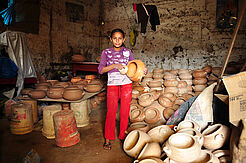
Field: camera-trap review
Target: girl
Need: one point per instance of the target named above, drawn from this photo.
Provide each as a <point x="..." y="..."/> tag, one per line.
<point x="118" y="86"/>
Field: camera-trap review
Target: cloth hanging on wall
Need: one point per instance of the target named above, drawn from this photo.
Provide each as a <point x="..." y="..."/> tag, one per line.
<point x="19" y="53"/>
<point x="145" y="13"/>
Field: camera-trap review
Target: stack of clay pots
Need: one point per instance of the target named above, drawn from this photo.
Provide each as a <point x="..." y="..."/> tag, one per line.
<point x="157" y="83"/>
<point x="199" y="81"/>
<point x="185" y="77"/>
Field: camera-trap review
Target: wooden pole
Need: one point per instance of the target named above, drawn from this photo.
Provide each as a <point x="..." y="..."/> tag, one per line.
<point x="232" y="44"/>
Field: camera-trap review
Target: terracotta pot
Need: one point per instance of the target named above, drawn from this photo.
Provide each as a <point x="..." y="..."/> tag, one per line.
<point x="90" y="77"/>
<point x="73" y="94"/>
<point x="206" y="157"/>
<point x="158" y="89"/>
<point x="151" y="149"/>
<point x="181" y="71"/>
<point x="182" y="91"/>
<point x="72" y="87"/>
<point x="55" y="92"/>
<point x="171" y="83"/>
<point x="135" y="70"/>
<point x="168" y="112"/>
<point x="124" y="70"/>
<point x="138" y="88"/>
<point x="207" y="69"/>
<point x="188" y="124"/>
<point x="92" y="88"/>
<point x="191" y="131"/>
<point x="175" y="107"/>
<point x="199" y="81"/>
<point x="157" y="75"/>
<point x="52" y="82"/>
<point x="199" y="88"/>
<point x="175" y="72"/>
<point x="181" y="146"/>
<point x="199" y="74"/>
<point x="146" y="99"/>
<point x="80" y="86"/>
<point x="169" y="76"/>
<point x="42" y="87"/>
<point x="165" y="102"/>
<point x="148" y="75"/>
<point x="158" y="71"/>
<point x="141" y="126"/>
<point x="216" y="136"/>
<point x="189" y="82"/>
<point x="145" y="81"/>
<point x="96" y="81"/>
<point x="78" y="58"/>
<point x="83" y="82"/>
<point x="182" y="84"/>
<point x="134" y="142"/>
<point x="135" y="106"/>
<point x="160" y="133"/>
<point x="137" y="115"/>
<point x="187" y="96"/>
<point x="154" y="84"/>
<point x="152" y="115"/>
<point x="135" y="94"/>
<point x="179" y="101"/>
<point x="62" y="84"/>
<point x="185" y="76"/>
<point x="37" y="94"/>
<point x="170" y="96"/>
<point x="26" y="91"/>
<point x="173" y="90"/>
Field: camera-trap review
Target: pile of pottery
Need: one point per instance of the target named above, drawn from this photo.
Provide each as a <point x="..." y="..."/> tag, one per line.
<point x="185" y="142"/>
<point x="199" y="80"/>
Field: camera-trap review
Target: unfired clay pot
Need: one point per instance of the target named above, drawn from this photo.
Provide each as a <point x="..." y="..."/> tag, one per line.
<point x="166" y="102"/>
<point x="173" y="90"/>
<point x="207" y="69"/>
<point x="142" y="126"/>
<point x="206" y="157"/>
<point x="37" y="94"/>
<point x="55" y="92"/>
<point x="92" y="88"/>
<point x="73" y="94"/>
<point x="160" y="133"/>
<point x="137" y="115"/>
<point x="185" y="76"/>
<point x="26" y="91"/>
<point x="135" y="70"/>
<point x="199" y="74"/>
<point x="216" y="136"/>
<point x="42" y="87"/>
<point x="157" y="75"/>
<point x="169" y="76"/>
<point x="188" y="124"/>
<point x="170" y="96"/>
<point x="154" y="84"/>
<point x="179" y="101"/>
<point x="171" y="83"/>
<point x="182" y="84"/>
<point x="158" y="70"/>
<point x="168" y="112"/>
<point x="183" y="71"/>
<point x="199" y="88"/>
<point x="152" y="115"/>
<point x="145" y="81"/>
<point x="182" y="146"/>
<point x="134" y="142"/>
<point x="62" y="84"/>
<point x="197" y="135"/>
<point x="151" y="149"/>
<point x="199" y="81"/>
<point x="146" y="99"/>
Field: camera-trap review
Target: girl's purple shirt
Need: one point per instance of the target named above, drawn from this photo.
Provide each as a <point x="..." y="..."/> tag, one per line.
<point x="110" y="56"/>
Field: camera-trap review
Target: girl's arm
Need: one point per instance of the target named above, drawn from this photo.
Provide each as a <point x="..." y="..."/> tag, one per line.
<point x="111" y="67"/>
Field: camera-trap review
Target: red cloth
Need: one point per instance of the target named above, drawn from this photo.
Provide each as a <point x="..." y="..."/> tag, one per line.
<point x="134" y="6"/>
<point x="114" y="93"/>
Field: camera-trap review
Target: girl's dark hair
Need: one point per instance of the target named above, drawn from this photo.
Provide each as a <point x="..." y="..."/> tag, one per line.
<point x="117" y="30"/>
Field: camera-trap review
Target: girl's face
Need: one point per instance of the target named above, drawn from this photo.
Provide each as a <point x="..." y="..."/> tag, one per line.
<point x="117" y="40"/>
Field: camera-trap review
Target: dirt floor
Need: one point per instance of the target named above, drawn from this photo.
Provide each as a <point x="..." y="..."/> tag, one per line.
<point x="89" y="150"/>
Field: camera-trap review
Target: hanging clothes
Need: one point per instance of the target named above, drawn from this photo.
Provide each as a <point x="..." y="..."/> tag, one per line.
<point x="145" y="13"/>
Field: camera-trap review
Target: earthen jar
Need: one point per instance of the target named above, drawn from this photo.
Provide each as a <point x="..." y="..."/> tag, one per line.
<point x="152" y="115"/>
<point x="182" y="91"/>
<point x="170" y="96"/>
<point x="165" y="102"/>
<point x="181" y="146"/>
<point x="173" y="90"/>
<point x="83" y="82"/>
<point x="135" y="106"/>
<point x="145" y="99"/>
<point x="62" y="84"/>
<point x="182" y="84"/>
<point x="187" y="96"/>
<point x="80" y="86"/>
<point x="206" y="157"/>
<point x="175" y="72"/>
<point x="160" y="133"/>
<point x="96" y="81"/>
<point x="37" y="94"/>
<point x="158" y="71"/>
<point x="135" y="94"/>
<point x="179" y="100"/>
<point x="199" y="88"/>
<point x="43" y="83"/>
<point x="199" y="74"/>
<point x="148" y="75"/>
<point x="42" y="87"/>
<point x="55" y="92"/>
<point x="158" y="89"/>
<point x="189" y="82"/>
<point x="207" y="69"/>
<point x="154" y="84"/>
<point x="137" y="115"/>
<point x="216" y="136"/>
<point x="175" y="107"/>
<point x="141" y="126"/>
<point x="75" y="79"/>
<point x="92" y="88"/>
<point x="199" y="81"/>
<point x="145" y="81"/>
<point x="26" y="91"/>
<point x="161" y="80"/>
<point x="52" y="82"/>
<point x="171" y="83"/>
<point x="197" y="134"/>
<point x="157" y="76"/>
<point x="134" y="142"/>
<point x="188" y="124"/>
<point x="151" y="149"/>
<point x="185" y="76"/>
<point x="135" y="70"/>
<point x="167" y="113"/>
<point x="183" y="71"/>
<point x="169" y="76"/>
<point x="73" y="94"/>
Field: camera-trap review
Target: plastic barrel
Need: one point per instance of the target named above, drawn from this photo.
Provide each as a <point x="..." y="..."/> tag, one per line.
<point x="34" y="109"/>
<point x="65" y="128"/>
<point x="81" y="113"/>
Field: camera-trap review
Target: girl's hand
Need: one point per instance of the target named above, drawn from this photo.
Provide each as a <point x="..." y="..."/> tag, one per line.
<point x="145" y="71"/>
<point x="118" y="66"/>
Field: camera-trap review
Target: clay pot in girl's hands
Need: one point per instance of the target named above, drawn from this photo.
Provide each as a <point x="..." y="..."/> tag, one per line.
<point x="152" y="115"/>
<point x="55" y="92"/>
<point x="160" y="133"/>
<point x="37" y="94"/>
<point x="187" y="124"/>
<point x="135" y="70"/>
<point x="151" y="149"/>
<point x="216" y="136"/>
<point x="73" y="94"/>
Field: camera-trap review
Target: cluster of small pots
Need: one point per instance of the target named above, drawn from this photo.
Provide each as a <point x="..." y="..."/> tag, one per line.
<point x="182" y="143"/>
<point x="71" y="91"/>
<point x="97" y="100"/>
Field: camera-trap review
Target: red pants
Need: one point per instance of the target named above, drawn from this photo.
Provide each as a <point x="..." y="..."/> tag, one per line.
<point x="114" y="93"/>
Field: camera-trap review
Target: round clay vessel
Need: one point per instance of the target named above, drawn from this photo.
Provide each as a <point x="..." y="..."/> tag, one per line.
<point x="37" y="94"/>
<point x="62" y="84"/>
<point x="182" y="146"/>
<point x="42" y="87"/>
<point x="158" y="71"/>
<point x="169" y="76"/>
<point x="170" y="96"/>
<point x="199" y="81"/>
<point x="73" y="94"/>
<point x="148" y="75"/>
<point x="216" y="136"/>
<point x="142" y="126"/>
<point x="168" y="112"/>
<point x="135" y="106"/>
<point x="199" y="74"/>
<point x="152" y="115"/>
<point x="160" y="133"/>
<point x="157" y="76"/>
<point x="165" y="102"/>
<point x="96" y="81"/>
<point x="154" y="84"/>
<point x="189" y="82"/>
<point x="206" y="157"/>
<point x="185" y="76"/>
<point x="151" y="149"/>
<point x="175" y="72"/>
<point x="26" y="91"/>
<point x="171" y="83"/>
<point x="138" y="88"/>
<point x="83" y="82"/>
<point x="137" y="115"/>
<point x="199" y="88"/>
<point x="207" y="69"/>
<point x="93" y="88"/>
<point x="179" y="101"/>
<point x="72" y="87"/>
<point x="55" y="92"/>
<point x="75" y="79"/>
<point x="188" y="124"/>
<point x="181" y="71"/>
<point x="182" y="91"/>
<point x="134" y="142"/>
<point x="135" y="70"/>
<point x="156" y="94"/>
<point x="173" y="90"/>
<point x="191" y="131"/>
<point x="182" y="84"/>
<point x="43" y="83"/>
<point x="145" y="99"/>
<point x="145" y="81"/>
